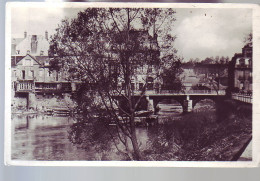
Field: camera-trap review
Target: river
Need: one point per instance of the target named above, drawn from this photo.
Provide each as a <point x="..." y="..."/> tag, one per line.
<point x="43" y="137"/>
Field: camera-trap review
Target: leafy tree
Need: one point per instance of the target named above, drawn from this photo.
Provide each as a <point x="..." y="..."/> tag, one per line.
<point x="105" y="49"/>
<point x="248" y="40"/>
<point x="208" y="60"/>
<point x="171" y="80"/>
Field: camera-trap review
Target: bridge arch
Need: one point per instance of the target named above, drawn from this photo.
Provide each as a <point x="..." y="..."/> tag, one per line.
<point x="215" y="99"/>
<point x="210" y="102"/>
<point x="156" y="101"/>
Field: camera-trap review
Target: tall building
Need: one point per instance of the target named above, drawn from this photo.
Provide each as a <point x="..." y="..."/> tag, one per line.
<point x="240" y="71"/>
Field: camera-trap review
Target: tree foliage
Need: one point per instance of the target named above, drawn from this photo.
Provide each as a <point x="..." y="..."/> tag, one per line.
<point x="248" y="40"/>
<point x="105" y="49"/>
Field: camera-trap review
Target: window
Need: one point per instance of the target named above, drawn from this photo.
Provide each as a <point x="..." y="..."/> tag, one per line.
<point x="149" y="70"/>
<point x="150" y="86"/>
<point x="242" y="62"/>
<point x="57" y="76"/>
<point x="141" y="85"/>
<point x="41" y="53"/>
<point x="23" y="74"/>
<point x="14" y="73"/>
<point x="32" y="73"/>
<point x="250" y="62"/>
<point x="132" y="86"/>
<point x="150" y="79"/>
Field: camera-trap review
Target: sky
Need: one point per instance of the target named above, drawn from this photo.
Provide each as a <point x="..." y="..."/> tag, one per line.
<point x="200" y="33"/>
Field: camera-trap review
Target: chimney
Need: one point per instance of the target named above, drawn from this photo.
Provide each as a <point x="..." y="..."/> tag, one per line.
<point x="46" y="35"/>
<point x="25" y="34"/>
<point x="34" y="43"/>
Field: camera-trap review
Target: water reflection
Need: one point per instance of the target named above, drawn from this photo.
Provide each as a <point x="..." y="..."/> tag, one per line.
<point x="42" y="137"/>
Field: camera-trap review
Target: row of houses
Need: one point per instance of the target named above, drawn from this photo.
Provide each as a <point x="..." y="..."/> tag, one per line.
<point x="31" y="71"/>
<point x="236" y="76"/>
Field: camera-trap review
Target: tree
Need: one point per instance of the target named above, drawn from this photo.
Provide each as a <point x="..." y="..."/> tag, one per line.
<point x="208" y="60"/>
<point x="248" y="40"/>
<point x="171" y="77"/>
<point x="105" y="49"/>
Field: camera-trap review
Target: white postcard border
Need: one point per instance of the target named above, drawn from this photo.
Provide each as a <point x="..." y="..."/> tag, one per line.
<point x="256" y="89"/>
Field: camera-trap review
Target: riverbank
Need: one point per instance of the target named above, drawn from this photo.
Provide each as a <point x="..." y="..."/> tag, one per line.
<point x="196" y="136"/>
<point x="200" y="136"/>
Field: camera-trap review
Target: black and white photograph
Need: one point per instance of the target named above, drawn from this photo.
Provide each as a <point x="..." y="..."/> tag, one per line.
<point x="129" y="82"/>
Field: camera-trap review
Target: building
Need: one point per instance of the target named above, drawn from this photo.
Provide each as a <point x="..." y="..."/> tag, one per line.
<point x="143" y="74"/>
<point x="205" y="76"/>
<point x="240" y="71"/>
<point x="35" y="45"/>
<point x="31" y="73"/>
<point x="32" y="77"/>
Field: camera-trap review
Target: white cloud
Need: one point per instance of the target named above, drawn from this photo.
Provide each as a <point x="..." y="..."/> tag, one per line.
<point x="38" y="20"/>
<point x="204" y="33"/>
<point x="200" y="32"/>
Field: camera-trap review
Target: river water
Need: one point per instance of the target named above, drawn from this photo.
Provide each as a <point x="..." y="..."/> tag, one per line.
<point x="43" y="137"/>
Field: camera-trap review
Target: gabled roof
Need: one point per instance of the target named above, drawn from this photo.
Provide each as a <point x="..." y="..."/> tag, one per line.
<point x="42" y="59"/>
<point x="15" y="60"/>
<point x="39" y="59"/>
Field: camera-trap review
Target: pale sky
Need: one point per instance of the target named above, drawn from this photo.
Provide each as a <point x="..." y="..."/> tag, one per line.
<point x="200" y="33"/>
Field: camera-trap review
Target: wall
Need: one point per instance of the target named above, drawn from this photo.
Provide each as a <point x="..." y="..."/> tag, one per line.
<point x="42" y="102"/>
<point x="19" y="103"/>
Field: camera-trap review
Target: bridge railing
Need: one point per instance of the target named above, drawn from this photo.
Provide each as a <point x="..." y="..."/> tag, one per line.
<point x="189" y="92"/>
<point x="212" y="92"/>
<point x="242" y="97"/>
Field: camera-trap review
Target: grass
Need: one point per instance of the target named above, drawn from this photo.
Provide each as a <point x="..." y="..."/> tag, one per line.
<point x="202" y="136"/>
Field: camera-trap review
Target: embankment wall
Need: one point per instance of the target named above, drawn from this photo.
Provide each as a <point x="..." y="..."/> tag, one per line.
<point x="42" y="102"/>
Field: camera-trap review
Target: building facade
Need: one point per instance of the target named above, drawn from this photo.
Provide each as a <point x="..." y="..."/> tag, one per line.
<point x="240" y="71"/>
<point x="32" y="77"/>
<point x="33" y="74"/>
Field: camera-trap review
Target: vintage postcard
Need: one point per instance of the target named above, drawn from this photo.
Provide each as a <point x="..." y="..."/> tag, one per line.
<point x="132" y="84"/>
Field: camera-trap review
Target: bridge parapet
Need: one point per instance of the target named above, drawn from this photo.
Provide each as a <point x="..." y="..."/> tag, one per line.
<point x="190" y="92"/>
<point x="242" y="97"/>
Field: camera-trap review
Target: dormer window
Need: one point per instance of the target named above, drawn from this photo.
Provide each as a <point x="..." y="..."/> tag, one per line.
<point x="28" y="51"/>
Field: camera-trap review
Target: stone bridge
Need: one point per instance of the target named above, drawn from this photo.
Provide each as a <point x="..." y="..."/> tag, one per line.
<point x="187" y="99"/>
